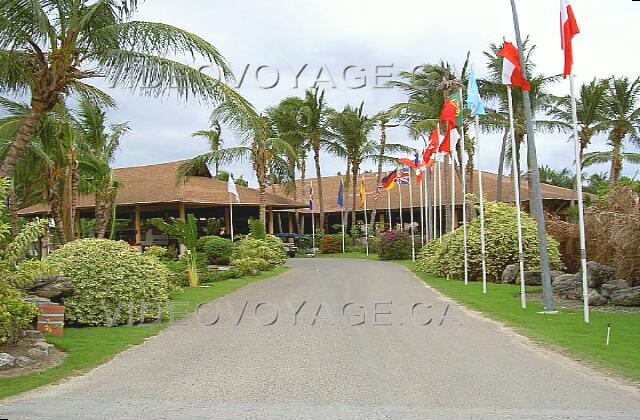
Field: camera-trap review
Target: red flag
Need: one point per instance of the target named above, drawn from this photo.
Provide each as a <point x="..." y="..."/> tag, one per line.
<point x="408" y="162"/>
<point x="449" y="113"/>
<point x="568" y="29"/>
<point x="445" y="146"/>
<point x="511" y="68"/>
<point x="418" y="175"/>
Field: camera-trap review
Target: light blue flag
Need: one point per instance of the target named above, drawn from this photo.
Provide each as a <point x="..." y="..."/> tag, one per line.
<point x="474" y="101"/>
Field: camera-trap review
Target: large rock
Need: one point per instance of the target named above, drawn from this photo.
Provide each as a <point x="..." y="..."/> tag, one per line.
<point x="32" y="335"/>
<point x="568" y="286"/>
<point x="607" y="289"/>
<point x="532" y="278"/>
<point x="510" y="274"/>
<point x="596" y="299"/>
<point x="7" y="361"/>
<point x="626" y="297"/>
<point x="51" y="287"/>
<point x="555" y="274"/>
<point x="598" y="274"/>
<point x="22" y="361"/>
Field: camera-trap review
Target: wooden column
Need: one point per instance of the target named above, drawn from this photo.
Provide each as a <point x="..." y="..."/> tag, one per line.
<point x="137" y="223"/>
<point x="270" y="210"/>
<point x="227" y="220"/>
<point x="291" y="226"/>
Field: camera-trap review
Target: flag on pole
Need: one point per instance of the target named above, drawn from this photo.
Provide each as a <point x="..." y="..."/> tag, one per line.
<point x="474" y="101"/>
<point x="340" y="200"/>
<point x="387" y="182"/>
<point x="403" y="177"/>
<point x="450" y="140"/>
<point x="376" y="194"/>
<point x="311" y="197"/>
<point x="512" y="73"/>
<point x="231" y="188"/>
<point x="568" y="29"/>
<point x="449" y="113"/>
<point x="407" y="162"/>
<point x="456" y="101"/>
<point x="362" y="193"/>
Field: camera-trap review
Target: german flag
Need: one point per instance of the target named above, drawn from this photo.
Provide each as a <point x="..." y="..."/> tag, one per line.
<point x="387" y="182"/>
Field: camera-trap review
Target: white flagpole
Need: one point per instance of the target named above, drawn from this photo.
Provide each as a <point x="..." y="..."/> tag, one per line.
<point x="411" y="229"/>
<point x="427" y="206"/>
<point x="366" y="223"/>
<point x="422" y="223"/>
<point x="464" y="199"/>
<point x="440" y="194"/>
<point x="583" y="242"/>
<point x="313" y="224"/>
<point x="343" y="232"/>
<point x="231" y="214"/>
<point x="516" y="190"/>
<point x="453" y="192"/>
<point x="434" y="171"/>
<point x="389" y="209"/>
<point x="400" y="195"/>
<point x="482" y="232"/>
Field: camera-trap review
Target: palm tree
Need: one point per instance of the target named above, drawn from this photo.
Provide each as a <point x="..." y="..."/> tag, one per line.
<point x="214" y="136"/>
<point x="593" y="158"/>
<point x="287" y="121"/>
<point x="623" y="122"/>
<point x="314" y="111"/>
<point x="50" y="48"/>
<point x="267" y="154"/>
<point x="96" y="153"/>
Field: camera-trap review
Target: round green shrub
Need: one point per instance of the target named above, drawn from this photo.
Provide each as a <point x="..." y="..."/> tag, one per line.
<point x="331" y="244"/>
<point x="394" y="245"/>
<point x="250" y="266"/>
<point x="107" y="275"/>
<point x="269" y="249"/>
<point x="156" y="251"/>
<point x="217" y="250"/>
<point x="501" y="238"/>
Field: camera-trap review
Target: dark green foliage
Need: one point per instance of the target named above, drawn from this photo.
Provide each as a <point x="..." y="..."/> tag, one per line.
<point x="395" y="245"/>
<point x="256" y="227"/>
<point x="216" y="250"/>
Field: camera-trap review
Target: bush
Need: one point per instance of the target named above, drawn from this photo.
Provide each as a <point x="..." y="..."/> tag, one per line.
<point x="395" y="245"/>
<point x="331" y="244"/>
<point x="217" y="250"/>
<point x="251" y="254"/>
<point x="215" y="276"/>
<point x="157" y="252"/>
<point x="15" y="313"/>
<point x="251" y="266"/>
<point x="447" y="258"/>
<point x="107" y="275"/>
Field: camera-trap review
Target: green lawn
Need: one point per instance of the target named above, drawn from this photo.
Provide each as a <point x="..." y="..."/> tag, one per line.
<point x="90" y="347"/>
<point x="566" y="329"/>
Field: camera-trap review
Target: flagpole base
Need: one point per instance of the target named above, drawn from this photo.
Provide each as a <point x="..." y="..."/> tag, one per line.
<point x="548" y="312"/>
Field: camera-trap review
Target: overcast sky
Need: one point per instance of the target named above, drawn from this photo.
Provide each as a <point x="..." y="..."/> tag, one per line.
<point x="331" y="34"/>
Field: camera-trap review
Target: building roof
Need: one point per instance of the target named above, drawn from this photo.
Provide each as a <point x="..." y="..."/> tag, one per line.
<point x="156" y="184"/>
<point x="331" y="185"/>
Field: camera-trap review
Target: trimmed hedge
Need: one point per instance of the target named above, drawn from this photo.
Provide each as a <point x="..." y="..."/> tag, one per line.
<point x="394" y="245"/>
<point x="217" y="250"/>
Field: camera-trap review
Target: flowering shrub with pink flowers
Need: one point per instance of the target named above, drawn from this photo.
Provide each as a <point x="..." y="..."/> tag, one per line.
<point x="395" y="245"/>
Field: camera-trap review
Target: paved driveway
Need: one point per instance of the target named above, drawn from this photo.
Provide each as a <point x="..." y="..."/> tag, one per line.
<point x="348" y="342"/>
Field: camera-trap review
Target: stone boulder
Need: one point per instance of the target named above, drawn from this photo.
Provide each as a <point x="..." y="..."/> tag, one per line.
<point x="568" y="286"/>
<point x="596" y="299"/>
<point x="532" y="278"/>
<point x="23" y="361"/>
<point x="555" y="274"/>
<point x="510" y="274"/>
<point x="607" y="289"/>
<point x="626" y="297"/>
<point x="598" y="274"/>
<point x="51" y="287"/>
<point x="7" y="361"/>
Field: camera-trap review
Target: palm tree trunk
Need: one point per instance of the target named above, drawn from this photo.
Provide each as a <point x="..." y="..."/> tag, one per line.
<point x="303" y="191"/>
<point x="263" y="202"/>
<point x="354" y="186"/>
<point x="23" y="138"/>
<point x="616" y="163"/>
<point x="383" y="143"/>
<point x="503" y="151"/>
<point x="316" y="157"/>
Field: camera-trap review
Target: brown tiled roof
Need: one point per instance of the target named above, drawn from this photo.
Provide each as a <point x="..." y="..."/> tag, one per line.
<point x="156" y="184"/>
<point x="331" y="185"/>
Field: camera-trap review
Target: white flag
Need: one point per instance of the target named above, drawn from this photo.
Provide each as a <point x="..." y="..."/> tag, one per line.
<point x="231" y="188"/>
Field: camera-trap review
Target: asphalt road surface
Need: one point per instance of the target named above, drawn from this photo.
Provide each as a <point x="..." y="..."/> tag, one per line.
<point x="351" y="339"/>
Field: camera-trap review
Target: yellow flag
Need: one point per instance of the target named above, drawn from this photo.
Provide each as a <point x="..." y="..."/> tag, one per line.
<point x="362" y="193"/>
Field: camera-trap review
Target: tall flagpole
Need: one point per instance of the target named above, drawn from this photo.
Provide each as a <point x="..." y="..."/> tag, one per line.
<point x="422" y="223"/>
<point x="231" y="215"/>
<point x="427" y="205"/>
<point x="440" y="157"/>
<point x="366" y="223"/>
<point x="400" y="196"/>
<point x="313" y="223"/>
<point x="434" y="167"/>
<point x="411" y="229"/>
<point x="516" y="192"/>
<point x="482" y="232"/>
<point x="343" y="230"/>
<point x="536" y="195"/>
<point x="583" y="244"/>
<point x="389" y="209"/>
<point x="464" y="199"/>
<point x="453" y="192"/>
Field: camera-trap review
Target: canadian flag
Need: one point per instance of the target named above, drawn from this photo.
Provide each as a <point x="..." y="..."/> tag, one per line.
<point x="511" y="68"/>
<point x="568" y="29"/>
